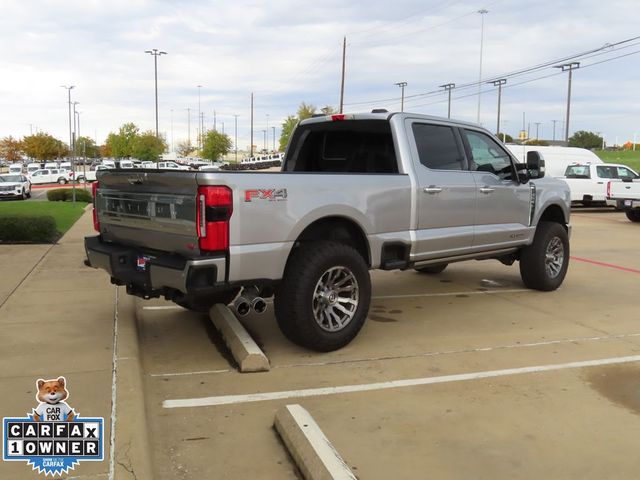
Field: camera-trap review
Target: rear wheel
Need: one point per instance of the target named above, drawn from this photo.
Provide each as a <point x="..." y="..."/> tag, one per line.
<point x="204" y="304"/>
<point x="62" y="181"/>
<point x="432" y="270"/>
<point x="324" y="297"/>
<point x="544" y="263"/>
<point x="633" y="215"/>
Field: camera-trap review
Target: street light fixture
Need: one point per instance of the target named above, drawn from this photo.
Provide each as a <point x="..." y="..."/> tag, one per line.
<point x="570" y="67"/>
<point x="401" y="85"/>
<point x="156" y="53"/>
<point x="482" y="13"/>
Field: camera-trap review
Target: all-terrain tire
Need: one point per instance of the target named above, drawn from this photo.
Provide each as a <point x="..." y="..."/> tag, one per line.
<point x="204" y="304"/>
<point x="316" y="317"/>
<point x="633" y="215"/>
<point x="544" y="263"/>
<point x="432" y="270"/>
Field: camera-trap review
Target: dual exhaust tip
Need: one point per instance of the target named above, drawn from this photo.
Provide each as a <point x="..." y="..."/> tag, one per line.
<point x="249" y="300"/>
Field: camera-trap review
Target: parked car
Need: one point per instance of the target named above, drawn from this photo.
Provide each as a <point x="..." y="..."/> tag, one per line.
<point x="49" y="175"/>
<point x="32" y="167"/>
<point x="15" y="186"/>
<point x="172" y="166"/>
<point x="357" y="192"/>
<point x="148" y="165"/>
<point x="556" y="159"/>
<point x="51" y="165"/>
<point x="588" y="182"/>
<point x="90" y="175"/>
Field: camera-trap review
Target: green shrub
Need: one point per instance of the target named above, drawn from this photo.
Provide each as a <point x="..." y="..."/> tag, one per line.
<point x="33" y="229"/>
<point x="66" y="195"/>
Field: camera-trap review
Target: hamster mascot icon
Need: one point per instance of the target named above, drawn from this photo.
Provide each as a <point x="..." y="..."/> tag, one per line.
<point x="52" y="407"/>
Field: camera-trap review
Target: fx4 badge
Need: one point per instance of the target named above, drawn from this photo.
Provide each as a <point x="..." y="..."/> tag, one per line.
<point x="271" y="195"/>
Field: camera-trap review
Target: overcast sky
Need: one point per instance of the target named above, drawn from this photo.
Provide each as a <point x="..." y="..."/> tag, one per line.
<point x="290" y="51"/>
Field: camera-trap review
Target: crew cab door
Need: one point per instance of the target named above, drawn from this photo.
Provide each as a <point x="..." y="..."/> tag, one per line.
<point x="504" y="204"/>
<point x="445" y="191"/>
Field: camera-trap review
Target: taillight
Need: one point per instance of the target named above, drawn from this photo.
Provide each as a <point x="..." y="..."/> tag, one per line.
<point x="214" y="209"/>
<point x="94" y="192"/>
<point x="609" y="189"/>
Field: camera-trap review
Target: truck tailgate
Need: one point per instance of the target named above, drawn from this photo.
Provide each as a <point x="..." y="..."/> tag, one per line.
<point x="152" y="210"/>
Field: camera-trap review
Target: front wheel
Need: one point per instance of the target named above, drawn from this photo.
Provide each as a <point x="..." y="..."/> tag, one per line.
<point x="323" y="299"/>
<point x="62" y="181"/>
<point x="633" y="215"/>
<point x="544" y="263"/>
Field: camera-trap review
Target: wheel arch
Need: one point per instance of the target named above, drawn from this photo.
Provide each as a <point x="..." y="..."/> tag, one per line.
<point x="553" y="213"/>
<point x="339" y="229"/>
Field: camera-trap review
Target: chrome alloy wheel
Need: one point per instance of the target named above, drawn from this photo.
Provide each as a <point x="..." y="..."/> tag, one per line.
<point x="335" y="299"/>
<point x="554" y="257"/>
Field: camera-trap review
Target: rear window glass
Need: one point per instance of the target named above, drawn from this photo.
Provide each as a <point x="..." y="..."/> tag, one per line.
<point x="437" y="147"/>
<point x="350" y="146"/>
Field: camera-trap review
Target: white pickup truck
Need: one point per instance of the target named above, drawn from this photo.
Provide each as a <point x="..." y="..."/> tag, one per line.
<point x="626" y="195"/>
<point x="588" y="182"/>
<point x="356" y="192"/>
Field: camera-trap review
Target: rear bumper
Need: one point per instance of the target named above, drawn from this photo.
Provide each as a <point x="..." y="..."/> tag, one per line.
<point x="164" y="274"/>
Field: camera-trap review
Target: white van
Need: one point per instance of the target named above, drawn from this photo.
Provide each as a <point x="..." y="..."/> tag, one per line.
<point x="556" y="159"/>
<point x="51" y="165"/>
<point x="15" y="168"/>
<point x="32" y="167"/>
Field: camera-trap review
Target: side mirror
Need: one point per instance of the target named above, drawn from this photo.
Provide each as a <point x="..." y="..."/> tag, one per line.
<point x="535" y="165"/>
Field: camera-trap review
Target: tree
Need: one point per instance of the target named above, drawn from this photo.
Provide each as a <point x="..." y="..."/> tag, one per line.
<point x="105" y="151"/>
<point x="287" y="129"/>
<point x="121" y="143"/>
<point x="541" y="143"/>
<point x="43" y="146"/>
<point x="507" y="138"/>
<point x="147" y="146"/>
<point x="86" y="147"/>
<point x="11" y="149"/>
<point x="184" y="148"/>
<point x="584" y="139"/>
<point x="215" y="144"/>
<point x="306" y="111"/>
<point x="328" y="110"/>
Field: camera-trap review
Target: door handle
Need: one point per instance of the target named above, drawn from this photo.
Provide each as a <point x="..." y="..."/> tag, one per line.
<point x="432" y="189"/>
<point x="600" y="183"/>
<point x="486" y="189"/>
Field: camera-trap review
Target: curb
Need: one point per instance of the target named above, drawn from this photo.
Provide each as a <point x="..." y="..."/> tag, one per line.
<point x="246" y="352"/>
<point x="132" y="450"/>
<point x="310" y="448"/>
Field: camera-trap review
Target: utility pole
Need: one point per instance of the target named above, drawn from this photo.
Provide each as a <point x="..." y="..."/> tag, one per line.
<point x="499" y="83"/>
<point x="156" y="54"/>
<point x="344" y="54"/>
<point x="214" y="121"/>
<point x="235" y="143"/>
<point x="448" y="87"/>
<point x="570" y="67"/>
<point x="537" y="124"/>
<point x="482" y="13"/>
<point x="189" y="126"/>
<point x="401" y="85"/>
<point x="251" y="145"/>
<point x="554" y="129"/>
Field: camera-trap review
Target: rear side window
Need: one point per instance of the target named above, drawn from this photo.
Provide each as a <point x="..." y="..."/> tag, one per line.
<point x="607" y="172"/>
<point x="437" y="147"/>
<point x="577" y="171"/>
<point x="349" y="146"/>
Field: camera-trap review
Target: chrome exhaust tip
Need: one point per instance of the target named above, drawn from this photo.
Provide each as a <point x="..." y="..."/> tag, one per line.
<point x="242" y="306"/>
<point x="259" y="305"/>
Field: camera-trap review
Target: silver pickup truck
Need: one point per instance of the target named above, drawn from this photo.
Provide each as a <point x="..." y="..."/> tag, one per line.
<point x="356" y="192"/>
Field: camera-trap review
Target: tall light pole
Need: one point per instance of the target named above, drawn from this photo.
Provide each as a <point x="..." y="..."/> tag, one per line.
<point x="554" y="129"/>
<point x="71" y="139"/>
<point x="75" y="131"/>
<point x="251" y="145"/>
<point x="156" y="53"/>
<point x="401" y="85"/>
<point x="172" y="148"/>
<point x="448" y="87"/>
<point x="482" y="13"/>
<point x="199" y="116"/>
<point x="264" y="133"/>
<point x="344" y="55"/>
<point x="189" y="126"/>
<point x="274" y="138"/>
<point x="570" y="67"/>
<point x="499" y="83"/>
<point x="266" y="147"/>
<point x="235" y="143"/>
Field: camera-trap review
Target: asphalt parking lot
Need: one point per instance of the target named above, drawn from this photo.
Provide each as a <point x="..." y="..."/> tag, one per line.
<point x="498" y="393"/>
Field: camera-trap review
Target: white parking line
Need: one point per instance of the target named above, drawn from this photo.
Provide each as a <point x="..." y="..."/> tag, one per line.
<point x="451" y="294"/>
<point x="180" y="374"/>
<point x="163" y="307"/>
<point x="367" y="387"/>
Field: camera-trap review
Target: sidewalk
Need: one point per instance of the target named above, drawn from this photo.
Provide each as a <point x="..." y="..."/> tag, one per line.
<point x="58" y="321"/>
